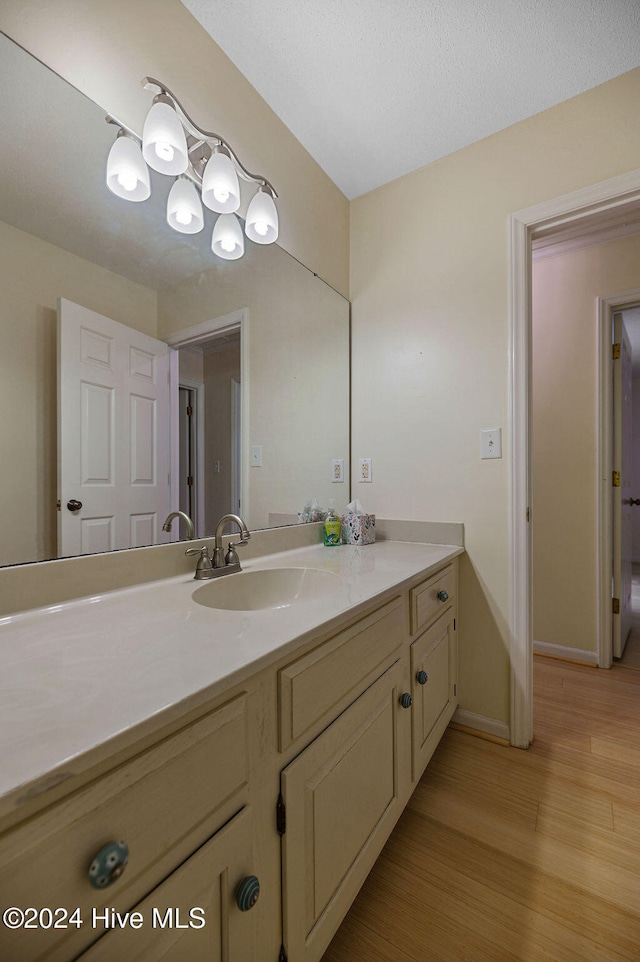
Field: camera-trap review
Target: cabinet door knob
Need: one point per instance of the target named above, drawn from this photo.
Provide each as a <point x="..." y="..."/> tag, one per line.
<point x="443" y="595"/>
<point x="422" y="678"/>
<point x="247" y="893"/>
<point x="406" y="700"/>
<point x="109" y="864"/>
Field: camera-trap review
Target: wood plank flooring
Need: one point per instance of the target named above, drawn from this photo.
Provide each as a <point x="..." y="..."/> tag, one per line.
<point x="505" y="855"/>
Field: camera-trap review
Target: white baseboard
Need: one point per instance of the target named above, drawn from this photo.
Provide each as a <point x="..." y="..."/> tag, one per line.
<point x="480" y="723"/>
<point x="569" y="654"/>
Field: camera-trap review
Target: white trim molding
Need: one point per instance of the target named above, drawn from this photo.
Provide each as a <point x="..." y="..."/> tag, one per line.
<point x="480" y="723"/>
<point x="566" y="654"/>
<point x="577" y="206"/>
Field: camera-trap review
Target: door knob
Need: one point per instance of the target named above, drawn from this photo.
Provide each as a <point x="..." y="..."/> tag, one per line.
<point x="74" y="505"/>
<point x="634" y="500"/>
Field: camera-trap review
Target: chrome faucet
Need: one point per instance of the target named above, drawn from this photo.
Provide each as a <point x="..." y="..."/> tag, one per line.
<point x="220" y="564"/>
<point x="191" y="532"/>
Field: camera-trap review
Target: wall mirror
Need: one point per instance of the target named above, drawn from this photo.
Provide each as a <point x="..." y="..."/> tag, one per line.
<point x="263" y="359"/>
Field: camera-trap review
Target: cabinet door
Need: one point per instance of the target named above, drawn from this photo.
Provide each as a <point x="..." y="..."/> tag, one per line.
<point x="193" y="915"/>
<point x="433" y="668"/>
<point x="342" y="796"/>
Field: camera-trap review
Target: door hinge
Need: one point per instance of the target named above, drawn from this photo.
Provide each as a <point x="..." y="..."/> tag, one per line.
<point x="528" y="514"/>
<point x="281" y="815"/>
<point x="455" y="689"/>
<point x="190" y="481"/>
<point x="615" y="606"/>
<point x="615" y="352"/>
<point x="283" y="955"/>
<point x="189" y="411"/>
<point x="615" y="479"/>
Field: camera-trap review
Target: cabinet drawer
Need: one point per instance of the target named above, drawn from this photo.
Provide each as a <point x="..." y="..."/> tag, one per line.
<point x="320" y="684"/>
<point x="162" y="804"/>
<point x="194" y="913"/>
<point x="428" y="600"/>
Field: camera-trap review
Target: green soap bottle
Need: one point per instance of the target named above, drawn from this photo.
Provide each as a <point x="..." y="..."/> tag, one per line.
<point x="332" y="527"/>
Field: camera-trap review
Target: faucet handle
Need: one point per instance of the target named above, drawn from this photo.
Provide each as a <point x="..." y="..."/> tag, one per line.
<point x="204" y="561"/>
<point x="231" y="557"/>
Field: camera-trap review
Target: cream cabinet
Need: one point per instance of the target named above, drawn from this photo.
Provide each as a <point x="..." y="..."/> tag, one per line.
<point x="285" y="788"/>
<point x="201" y="913"/>
<point x="342" y="796"/>
<point x="380" y="693"/>
<point x="163" y="804"/>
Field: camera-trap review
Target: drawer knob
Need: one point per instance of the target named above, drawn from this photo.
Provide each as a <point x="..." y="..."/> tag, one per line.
<point x="247" y="893"/>
<point x="109" y="864"/>
<point x="443" y="595"/>
<point x="406" y="700"/>
<point x="422" y="678"/>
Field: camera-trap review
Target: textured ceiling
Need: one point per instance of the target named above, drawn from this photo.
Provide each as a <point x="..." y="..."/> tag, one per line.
<point x="377" y="88"/>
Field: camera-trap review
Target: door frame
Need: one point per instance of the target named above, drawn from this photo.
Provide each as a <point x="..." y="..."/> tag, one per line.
<point x="574" y="208"/>
<point x="606" y="306"/>
<point x="218" y="326"/>
<point x="198" y="389"/>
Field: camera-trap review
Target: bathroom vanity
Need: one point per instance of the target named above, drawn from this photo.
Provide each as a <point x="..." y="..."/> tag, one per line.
<point x="253" y="762"/>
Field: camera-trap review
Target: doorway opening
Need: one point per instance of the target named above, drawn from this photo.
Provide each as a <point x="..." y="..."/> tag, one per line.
<point x="579" y="212"/>
<point x="210" y="403"/>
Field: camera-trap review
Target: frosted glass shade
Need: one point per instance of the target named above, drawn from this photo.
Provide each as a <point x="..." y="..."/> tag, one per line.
<point x="184" y="210"/>
<point x="227" y="241"/>
<point x="261" y="225"/>
<point x="127" y="173"/>
<point x="164" y="144"/>
<point x="220" y="187"/>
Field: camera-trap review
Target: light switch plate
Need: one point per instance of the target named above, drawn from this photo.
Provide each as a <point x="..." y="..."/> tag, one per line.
<point x="256" y="456"/>
<point x="491" y="443"/>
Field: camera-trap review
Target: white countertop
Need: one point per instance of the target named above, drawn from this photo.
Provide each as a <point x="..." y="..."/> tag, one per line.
<point x="85" y="679"/>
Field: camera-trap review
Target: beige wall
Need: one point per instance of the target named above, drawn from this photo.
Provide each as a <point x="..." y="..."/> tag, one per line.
<point x="33" y="275"/>
<point x="105" y="47"/>
<point x="429" y="290"/>
<point x="565" y="420"/>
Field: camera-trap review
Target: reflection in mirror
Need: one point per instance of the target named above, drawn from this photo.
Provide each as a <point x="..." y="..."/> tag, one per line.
<point x="259" y="348"/>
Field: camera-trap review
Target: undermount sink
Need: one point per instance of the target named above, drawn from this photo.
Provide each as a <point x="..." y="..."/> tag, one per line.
<point x="267" y="588"/>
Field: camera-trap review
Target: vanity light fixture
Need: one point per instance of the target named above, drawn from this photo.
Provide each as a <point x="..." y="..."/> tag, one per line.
<point x="203" y="163"/>
<point x="127" y="173"/>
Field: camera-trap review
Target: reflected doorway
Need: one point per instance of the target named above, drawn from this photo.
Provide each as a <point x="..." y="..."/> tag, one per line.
<point x="209" y="419"/>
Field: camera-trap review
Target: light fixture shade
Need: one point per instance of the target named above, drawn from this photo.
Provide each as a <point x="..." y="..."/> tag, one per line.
<point x="220" y="187"/>
<point x="127" y="173"/>
<point x="261" y="224"/>
<point x="164" y="144"/>
<point x="227" y="241"/>
<point x="184" y="210"/>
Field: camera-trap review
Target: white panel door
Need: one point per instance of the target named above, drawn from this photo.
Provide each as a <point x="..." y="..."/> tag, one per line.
<point x="622" y="463"/>
<point x="113" y="434"/>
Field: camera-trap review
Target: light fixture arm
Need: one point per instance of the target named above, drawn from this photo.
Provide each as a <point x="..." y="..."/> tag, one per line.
<point x="203" y="137"/>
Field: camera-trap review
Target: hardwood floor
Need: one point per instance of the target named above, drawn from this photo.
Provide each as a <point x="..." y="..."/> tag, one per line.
<point x="505" y="855"/>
